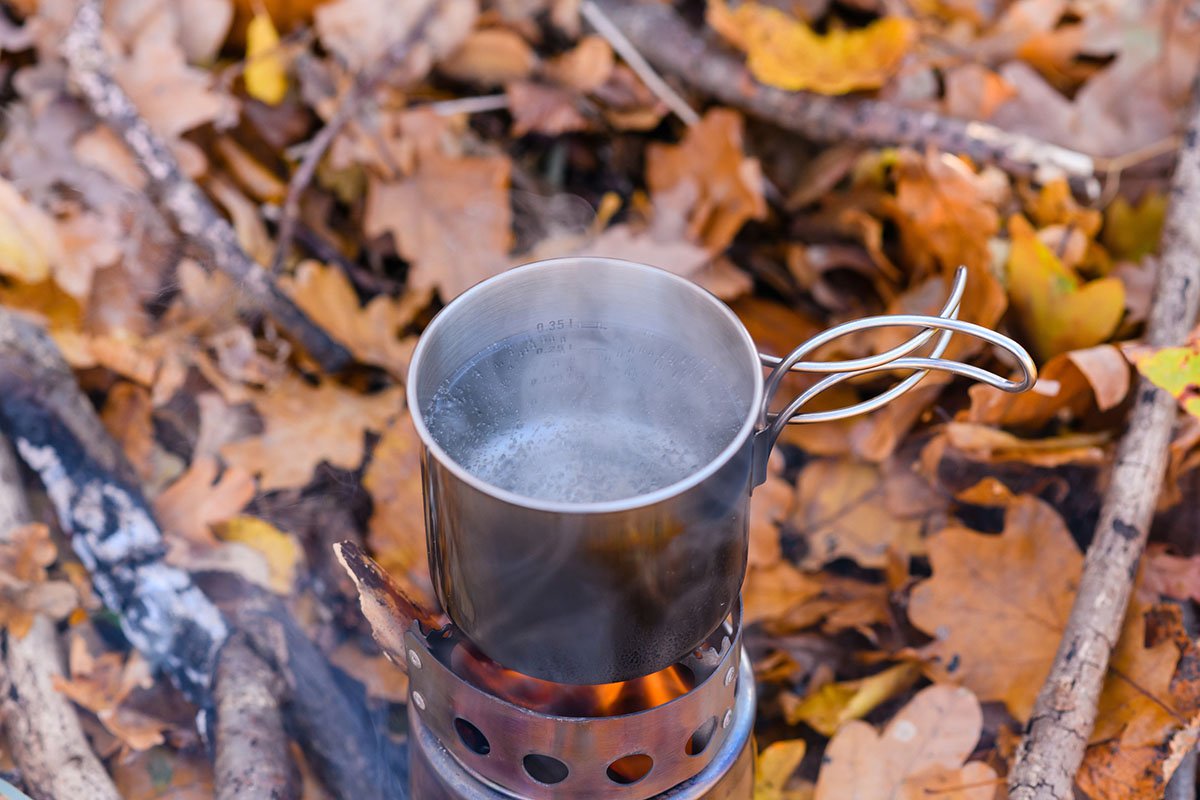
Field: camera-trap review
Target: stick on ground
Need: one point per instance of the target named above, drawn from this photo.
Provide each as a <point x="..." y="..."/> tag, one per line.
<point x="41" y="726"/>
<point x="253" y="760"/>
<point x="1065" y="712"/>
<point x="672" y="46"/>
<point x="192" y="211"/>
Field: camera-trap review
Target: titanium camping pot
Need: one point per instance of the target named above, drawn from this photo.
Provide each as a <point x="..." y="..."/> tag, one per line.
<point x="592" y="431"/>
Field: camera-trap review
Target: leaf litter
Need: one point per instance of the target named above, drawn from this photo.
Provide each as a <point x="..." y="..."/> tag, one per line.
<point x="910" y="571"/>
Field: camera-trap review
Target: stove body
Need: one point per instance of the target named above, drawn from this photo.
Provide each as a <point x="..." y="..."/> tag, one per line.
<point x="469" y="743"/>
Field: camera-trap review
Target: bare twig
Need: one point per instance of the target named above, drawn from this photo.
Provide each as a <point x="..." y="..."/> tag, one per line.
<point x="468" y="105"/>
<point x="41" y="727"/>
<point x="1065" y="712"/>
<point x="363" y="86"/>
<point x="629" y="51"/>
<point x="180" y="197"/>
<point x="672" y="46"/>
<point x="253" y="761"/>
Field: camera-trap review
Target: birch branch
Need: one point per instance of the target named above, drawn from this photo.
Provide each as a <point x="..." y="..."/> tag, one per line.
<point x="41" y="726"/>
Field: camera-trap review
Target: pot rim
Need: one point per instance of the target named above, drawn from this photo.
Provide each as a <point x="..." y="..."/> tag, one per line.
<point x="607" y="506"/>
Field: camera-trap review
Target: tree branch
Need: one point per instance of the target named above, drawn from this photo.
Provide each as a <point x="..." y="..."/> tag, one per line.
<point x="1065" y="712"/>
<point x="673" y="47"/>
<point x="253" y="761"/>
<point x="42" y="728"/>
<point x="192" y="211"/>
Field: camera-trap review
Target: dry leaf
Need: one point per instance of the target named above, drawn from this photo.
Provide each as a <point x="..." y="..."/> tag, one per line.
<point x="490" y="57"/>
<point x="164" y="774"/>
<point x="830" y="706"/>
<point x="724" y="186"/>
<point x="769" y="505"/>
<point x="775" y="766"/>
<point x="103" y="683"/>
<point x="307" y="425"/>
<point x="127" y="416"/>
<point x="584" y="68"/>
<point x="548" y="110"/>
<point x="841" y="514"/>
<point x="25" y="552"/>
<point x="372" y="332"/>
<point x="1175" y="370"/>
<point x="1133" y="232"/>
<point x="283" y="554"/>
<point x="381" y="678"/>
<point x="29" y="244"/>
<point x="785" y="52"/>
<point x="393" y="478"/>
<point x="1015" y="588"/>
<point x="450" y="218"/>
<point x="265" y="74"/>
<point x="1057" y="311"/>
<point x="198" y="499"/>
<point x="937" y="730"/>
<point x="359" y="32"/>
<point x="771" y="592"/>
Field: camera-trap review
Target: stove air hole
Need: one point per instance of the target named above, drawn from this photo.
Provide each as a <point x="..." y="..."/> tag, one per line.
<point x="699" y="740"/>
<point x="545" y="769"/>
<point x="630" y="769"/>
<point x="472" y="737"/>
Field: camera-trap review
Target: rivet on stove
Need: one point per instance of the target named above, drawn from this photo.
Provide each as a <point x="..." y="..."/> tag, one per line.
<point x="724" y="723"/>
<point x="416" y="659"/>
<point x="729" y="676"/>
<point x="420" y="701"/>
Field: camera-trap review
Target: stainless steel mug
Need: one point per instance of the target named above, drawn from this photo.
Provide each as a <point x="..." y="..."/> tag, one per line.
<point x="593" y="429"/>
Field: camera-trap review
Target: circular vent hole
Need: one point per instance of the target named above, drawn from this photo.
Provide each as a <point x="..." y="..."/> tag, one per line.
<point x="472" y="737"/>
<point x="699" y="740"/>
<point x="545" y="769"/>
<point x="630" y="769"/>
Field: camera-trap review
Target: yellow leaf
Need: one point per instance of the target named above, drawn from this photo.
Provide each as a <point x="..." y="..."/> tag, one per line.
<point x="28" y="239"/>
<point x="281" y="551"/>
<point x="787" y="53"/>
<point x="1176" y="370"/>
<point x="265" y="75"/>
<point x="1133" y="232"/>
<point x="826" y="709"/>
<point x="775" y="767"/>
<point x="1057" y="311"/>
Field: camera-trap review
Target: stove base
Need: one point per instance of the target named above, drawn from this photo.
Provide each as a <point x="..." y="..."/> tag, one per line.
<point x="436" y="775"/>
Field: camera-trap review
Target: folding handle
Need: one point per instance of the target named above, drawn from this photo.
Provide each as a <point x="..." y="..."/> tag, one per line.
<point x="942" y="326"/>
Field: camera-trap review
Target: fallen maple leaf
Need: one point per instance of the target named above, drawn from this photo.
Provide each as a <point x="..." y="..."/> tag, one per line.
<point x="1016" y="588"/>
<point x="198" y="499"/>
<point x="25" y="552"/>
<point x="841" y="512"/>
<point x="769" y="505"/>
<point x="372" y="332"/>
<point x="785" y="52"/>
<point x="490" y="57"/>
<point x="771" y="592"/>
<point x="306" y="425"/>
<point x="1057" y="311"/>
<point x="450" y="218"/>
<point x="725" y="186"/>
<point x="927" y="742"/>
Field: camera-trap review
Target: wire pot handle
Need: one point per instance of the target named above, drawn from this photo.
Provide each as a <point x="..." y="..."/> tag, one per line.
<point x="942" y="326"/>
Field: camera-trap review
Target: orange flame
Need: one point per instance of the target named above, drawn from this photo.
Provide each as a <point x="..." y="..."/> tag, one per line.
<point x="570" y="700"/>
